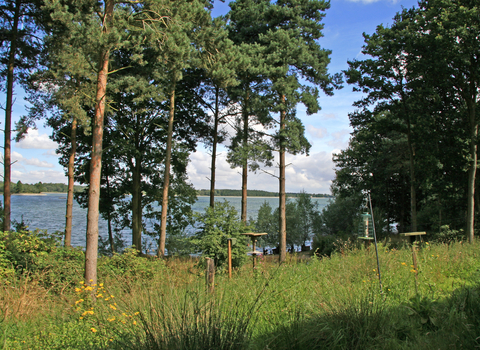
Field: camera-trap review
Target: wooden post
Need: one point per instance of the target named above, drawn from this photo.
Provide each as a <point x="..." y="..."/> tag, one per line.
<point x="415" y="266"/>
<point x="210" y="275"/>
<point x="229" y="257"/>
<point x="418" y="237"/>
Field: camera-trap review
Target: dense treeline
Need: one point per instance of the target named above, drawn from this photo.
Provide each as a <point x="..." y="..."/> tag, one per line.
<point x="130" y="88"/>
<point x="255" y="193"/>
<point x="39" y="187"/>
<point x="415" y="130"/>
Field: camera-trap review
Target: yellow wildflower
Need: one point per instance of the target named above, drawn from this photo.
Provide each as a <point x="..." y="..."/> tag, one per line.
<point x="112" y="307"/>
<point x="404" y="264"/>
<point x="111" y="319"/>
<point x="93" y="330"/>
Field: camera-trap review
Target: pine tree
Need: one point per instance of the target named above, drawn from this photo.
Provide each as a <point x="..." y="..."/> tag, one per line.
<point x="19" y="26"/>
<point x="293" y="55"/>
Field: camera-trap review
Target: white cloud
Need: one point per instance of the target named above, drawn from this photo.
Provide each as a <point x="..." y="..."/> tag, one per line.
<point x="318" y="133"/>
<point x="313" y="174"/>
<point x="329" y="116"/>
<point x="51" y="153"/>
<point x="340" y="139"/>
<point x="34" y="140"/>
<point x="19" y="159"/>
<point x="33" y="177"/>
<point x="38" y="163"/>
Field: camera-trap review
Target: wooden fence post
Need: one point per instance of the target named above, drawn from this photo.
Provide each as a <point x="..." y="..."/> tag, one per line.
<point x="229" y="257"/>
<point x="210" y="275"/>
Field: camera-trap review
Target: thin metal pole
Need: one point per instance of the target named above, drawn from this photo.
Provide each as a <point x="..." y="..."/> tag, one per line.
<point x="376" y="247"/>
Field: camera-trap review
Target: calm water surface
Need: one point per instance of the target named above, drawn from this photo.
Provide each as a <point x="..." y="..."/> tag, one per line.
<point x="47" y="211"/>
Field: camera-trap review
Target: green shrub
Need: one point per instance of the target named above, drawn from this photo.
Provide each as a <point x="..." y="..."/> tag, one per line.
<point x="129" y="264"/>
<point x="216" y="226"/>
<point x="327" y="245"/>
<point x="28" y="251"/>
<point x="448" y="236"/>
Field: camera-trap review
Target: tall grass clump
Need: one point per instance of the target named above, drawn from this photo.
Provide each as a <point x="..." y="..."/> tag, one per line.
<point x="319" y="303"/>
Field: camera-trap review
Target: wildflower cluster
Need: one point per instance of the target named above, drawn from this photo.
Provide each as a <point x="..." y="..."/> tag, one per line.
<point x="94" y="305"/>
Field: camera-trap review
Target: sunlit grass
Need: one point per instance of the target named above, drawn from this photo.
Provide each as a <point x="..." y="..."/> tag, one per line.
<point x="327" y="303"/>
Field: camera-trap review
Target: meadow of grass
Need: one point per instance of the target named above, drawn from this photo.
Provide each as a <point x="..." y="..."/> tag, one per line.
<point x="315" y="303"/>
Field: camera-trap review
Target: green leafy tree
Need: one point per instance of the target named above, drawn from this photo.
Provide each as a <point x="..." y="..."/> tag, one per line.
<point x="216" y="226"/>
<point x="19" y="187"/>
<point x="293" y="57"/>
<point x="307" y="214"/>
<point x="446" y="45"/>
<point x="267" y="222"/>
<point x="20" y="24"/>
<point x="96" y="30"/>
<point x="219" y="62"/>
<point x="179" y="52"/>
<point x="248" y="147"/>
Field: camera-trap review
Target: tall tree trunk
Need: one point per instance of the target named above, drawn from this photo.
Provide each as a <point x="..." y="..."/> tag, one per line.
<point x="411" y="157"/>
<point x="7" y="161"/>
<point x="71" y="182"/>
<point x="214" y="152"/>
<point x="109" y="218"/>
<point x="91" y="250"/>
<point x="245" y="160"/>
<point x="166" y="181"/>
<point x="282" y="200"/>
<point x="136" y="206"/>
<point x="472" y="171"/>
<point x="413" y="193"/>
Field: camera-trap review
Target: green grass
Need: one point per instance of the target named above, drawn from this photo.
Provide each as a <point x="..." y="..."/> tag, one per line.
<point x="329" y="303"/>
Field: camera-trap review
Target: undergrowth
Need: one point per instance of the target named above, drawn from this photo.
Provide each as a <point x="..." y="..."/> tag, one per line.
<point x="337" y="302"/>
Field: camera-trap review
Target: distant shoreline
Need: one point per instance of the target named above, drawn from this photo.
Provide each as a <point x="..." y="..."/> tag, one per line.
<point x="30" y="194"/>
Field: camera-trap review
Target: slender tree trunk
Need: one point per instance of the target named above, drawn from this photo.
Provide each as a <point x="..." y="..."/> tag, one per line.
<point x="245" y="160"/>
<point x="472" y="171"/>
<point x="411" y="157"/>
<point x="166" y="182"/>
<point x="413" y="193"/>
<point x="282" y="204"/>
<point x="136" y="206"/>
<point x="71" y="182"/>
<point x="109" y="219"/>
<point x="214" y="152"/>
<point x="91" y="250"/>
<point x="7" y="161"/>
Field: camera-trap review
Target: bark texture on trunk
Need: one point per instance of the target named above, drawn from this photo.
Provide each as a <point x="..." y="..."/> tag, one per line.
<point x="282" y="197"/>
<point x="245" y="160"/>
<point x="7" y="160"/>
<point x="91" y="250"/>
<point x="71" y="182"/>
<point x="136" y="206"/>
<point x="166" y="182"/>
<point x="214" y="152"/>
<point x="472" y="171"/>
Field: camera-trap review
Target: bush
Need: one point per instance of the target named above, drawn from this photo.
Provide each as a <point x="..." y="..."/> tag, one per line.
<point x="216" y="226"/>
<point x="327" y="245"/>
<point x="448" y="236"/>
<point x="28" y="250"/>
<point x="129" y="264"/>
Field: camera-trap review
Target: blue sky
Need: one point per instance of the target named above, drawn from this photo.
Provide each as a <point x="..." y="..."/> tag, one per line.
<point x="328" y="130"/>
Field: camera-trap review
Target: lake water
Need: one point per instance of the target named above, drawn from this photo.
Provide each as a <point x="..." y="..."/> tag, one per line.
<point x="47" y="211"/>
